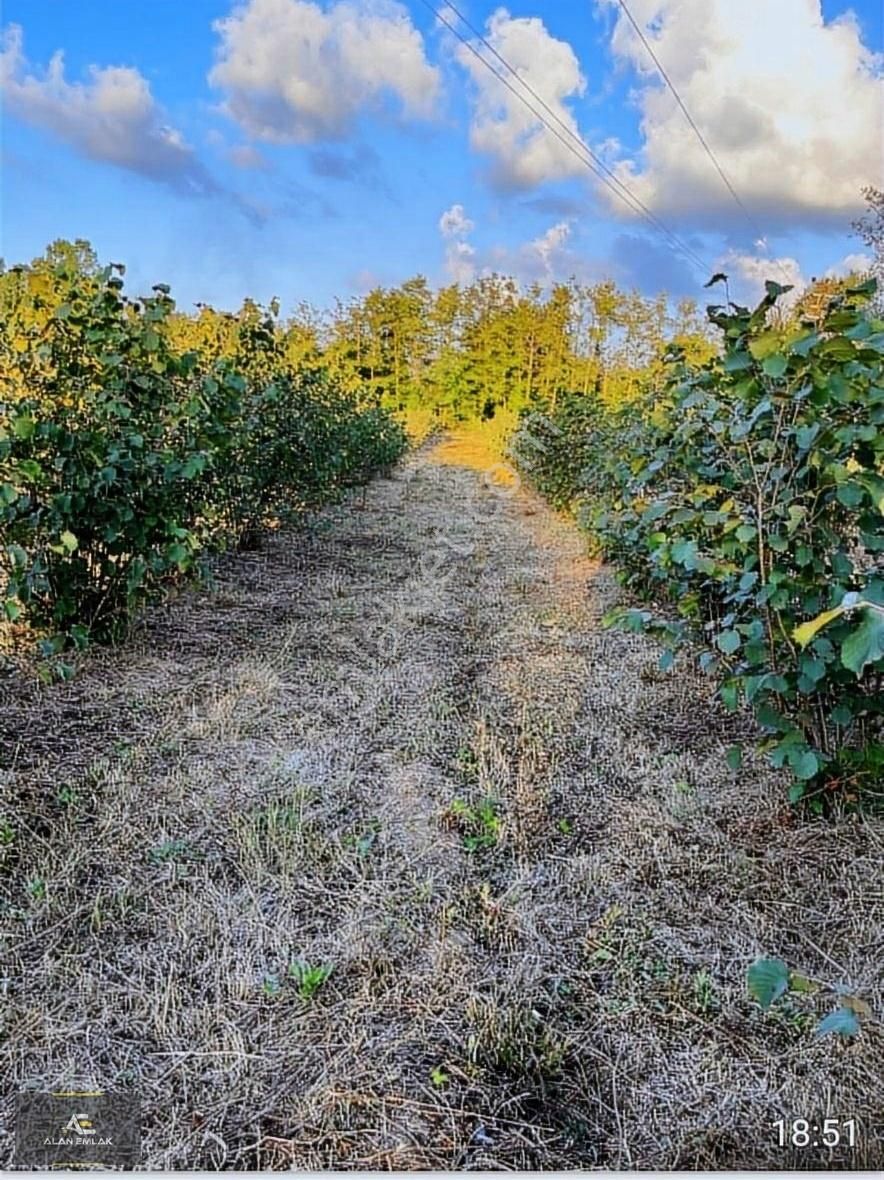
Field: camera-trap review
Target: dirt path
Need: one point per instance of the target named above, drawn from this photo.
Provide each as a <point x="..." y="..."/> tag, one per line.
<point x="399" y="744"/>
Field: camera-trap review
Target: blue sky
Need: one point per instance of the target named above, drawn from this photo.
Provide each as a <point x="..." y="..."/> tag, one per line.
<point x="313" y="148"/>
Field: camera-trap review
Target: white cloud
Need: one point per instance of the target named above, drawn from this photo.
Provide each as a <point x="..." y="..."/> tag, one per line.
<point x="293" y="72"/>
<point x="549" y="250"/>
<point x="455" y="227"/>
<point x="454" y="223"/>
<point x="112" y="117"/>
<point x="791" y="105"/>
<point x="523" y="152"/>
<point x="460" y="261"/>
<point x="546" y="259"/>
<point x="851" y="264"/>
<point x="749" y="272"/>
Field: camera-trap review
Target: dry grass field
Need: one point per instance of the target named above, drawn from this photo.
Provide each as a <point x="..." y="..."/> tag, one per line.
<point x="385" y="855"/>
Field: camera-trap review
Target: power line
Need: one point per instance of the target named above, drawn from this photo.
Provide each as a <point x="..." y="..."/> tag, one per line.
<point x="585" y="154"/>
<point x="600" y="170"/>
<point x="699" y="134"/>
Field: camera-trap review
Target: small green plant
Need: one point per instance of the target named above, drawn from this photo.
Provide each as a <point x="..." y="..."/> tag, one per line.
<point x="705" y="996"/>
<point x="565" y="827"/>
<point x="67" y="796"/>
<point x="439" y="1077"/>
<point x="480" y="825"/>
<point x="365" y="841"/>
<point x="770" y="980"/>
<point x="36" y="888"/>
<point x="467" y="762"/>
<point x="309" y="978"/>
<point x="169" y="850"/>
<point x="280" y="817"/>
<point x="270" y="985"/>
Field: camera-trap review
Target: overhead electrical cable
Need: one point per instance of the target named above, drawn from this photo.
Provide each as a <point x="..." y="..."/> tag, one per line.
<point x="759" y="235"/>
<point x="582" y="151"/>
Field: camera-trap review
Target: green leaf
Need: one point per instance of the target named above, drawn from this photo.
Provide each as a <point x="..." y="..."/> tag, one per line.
<point x="812" y="668"/>
<point x="17" y="555"/>
<point x="866" y="644"/>
<point x="746" y="533"/>
<point x="23" y="427"/>
<point x="729" y="642"/>
<point x="867" y="288"/>
<point x="775" y="290"/>
<point x="69" y="541"/>
<point x="804" y="435"/>
<point x="734" y="757"/>
<point x="800" y="983"/>
<point x="768" y="979"/>
<point x="776" y="365"/>
<point x="177" y="553"/>
<point x="842" y="1021"/>
<point x="851" y="495"/>
<point x="737" y="362"/>
<point x="765" y="345"/>
<point x="11" y="609"/>
<point x="804" y="763"/>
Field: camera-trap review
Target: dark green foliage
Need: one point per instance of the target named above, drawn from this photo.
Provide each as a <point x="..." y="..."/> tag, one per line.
<point x="124" y="462"/>
<point x="745" y="497"/>
<point x="560" y="451"/>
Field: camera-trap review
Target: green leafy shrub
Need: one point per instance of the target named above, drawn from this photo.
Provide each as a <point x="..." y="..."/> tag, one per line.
<point x="558" y="451"/>
<point x="744" y="499"/>
<point x="125" y="459"/>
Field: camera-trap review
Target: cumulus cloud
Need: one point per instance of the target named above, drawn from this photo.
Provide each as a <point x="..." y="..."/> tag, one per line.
<point x="111" y="117"/>
<point x="790" y="103"/>
<point x="523" y="152"/>
<point x="454" y="223"/>
<point x="294" y="72"/>
<point x="545" y="259"/>
<point x="460" y="257"/>
<point x="851" y="264"/>
<point x="460" y="262"/>
<point x="749" y="272"/>
<point x="549" y="250"/>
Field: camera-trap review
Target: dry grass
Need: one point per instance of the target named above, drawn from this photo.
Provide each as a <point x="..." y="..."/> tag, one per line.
<point x="294" y="770"/>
